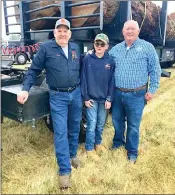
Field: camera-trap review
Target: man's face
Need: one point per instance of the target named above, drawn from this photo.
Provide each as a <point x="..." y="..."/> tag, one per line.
<point x="130" y="32"/>
<point x="62" y="35"/>
<point x="100" y="47"/>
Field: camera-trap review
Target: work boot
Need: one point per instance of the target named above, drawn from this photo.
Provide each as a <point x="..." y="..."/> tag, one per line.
<point x="75" y="162"/>
<point x="100" y="148"/>
<point x="114" y="148"/>
<point x="91" y="154"/>
<point x="64" y="181"/>
<point x="132" y="159"/>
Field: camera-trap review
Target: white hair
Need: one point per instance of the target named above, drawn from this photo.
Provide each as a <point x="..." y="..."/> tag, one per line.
<point x="132" y="21"/>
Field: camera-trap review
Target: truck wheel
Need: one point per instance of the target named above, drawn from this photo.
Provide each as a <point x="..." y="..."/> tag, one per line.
<point x="33" y="55"/>
<point x="21" y="58"/>
<point x="167" y="64"/>
<point x="83" y="126"/>
<point x="170" y="64"/>
<point x="82" y="135"/>
<point x="48" y="122"/>
<point x="2" y="118"/>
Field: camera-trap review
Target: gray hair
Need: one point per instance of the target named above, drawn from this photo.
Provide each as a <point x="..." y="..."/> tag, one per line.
<point x="132" y="21"/>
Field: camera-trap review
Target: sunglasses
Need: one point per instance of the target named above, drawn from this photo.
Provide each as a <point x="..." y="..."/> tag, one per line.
<point x="97" y="44"/>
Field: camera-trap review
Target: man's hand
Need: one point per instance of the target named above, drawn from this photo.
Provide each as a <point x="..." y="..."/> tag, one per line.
<point x="148" y="96"/>
<point x="107" y="105"/>
<point x="90" y="51"/>
<point x="89" y="103"/>
<point x="22" y="96"/>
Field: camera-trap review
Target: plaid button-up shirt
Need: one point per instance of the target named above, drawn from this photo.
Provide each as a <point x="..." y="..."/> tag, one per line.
<point x="135" y="65"/>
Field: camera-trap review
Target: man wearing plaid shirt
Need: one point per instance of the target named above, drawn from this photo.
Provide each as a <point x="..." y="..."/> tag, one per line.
<point x="136" y="62"/>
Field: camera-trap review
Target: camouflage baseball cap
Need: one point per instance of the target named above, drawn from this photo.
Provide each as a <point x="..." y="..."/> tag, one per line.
<point x="102" y="37"/>
<point x="62" y="21"/>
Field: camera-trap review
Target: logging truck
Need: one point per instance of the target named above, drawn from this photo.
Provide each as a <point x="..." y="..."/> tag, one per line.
<point x="87" y="18"/>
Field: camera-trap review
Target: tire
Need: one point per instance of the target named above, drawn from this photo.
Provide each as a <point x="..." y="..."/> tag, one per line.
<point x="171" y="64"/>
<point x="21" y="58"/>
<point x="40" y="79"/>
<point x="167" y="64"/>
<point x="83" y="126"/>
<point x="2" y="118"/>
<point x="82" y="135"/>
<point x="48" y="122"/>
<point x="33" y="55"/>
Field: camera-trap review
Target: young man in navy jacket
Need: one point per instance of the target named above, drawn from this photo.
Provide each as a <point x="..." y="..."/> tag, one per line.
<point x="97" y="85"/>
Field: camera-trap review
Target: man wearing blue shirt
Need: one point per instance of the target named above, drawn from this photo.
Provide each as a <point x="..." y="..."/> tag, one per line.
<point x="61" y="60"/>
<point x="136" y="62"/>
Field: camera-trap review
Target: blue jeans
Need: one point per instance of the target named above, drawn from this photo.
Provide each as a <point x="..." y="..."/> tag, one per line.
<point x="66" y="112"/>
<point x="96" y="118"/>
<point x="127" y="107"/>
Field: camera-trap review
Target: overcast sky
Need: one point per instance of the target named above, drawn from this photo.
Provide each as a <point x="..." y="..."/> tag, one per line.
<point x="171" y="8"/>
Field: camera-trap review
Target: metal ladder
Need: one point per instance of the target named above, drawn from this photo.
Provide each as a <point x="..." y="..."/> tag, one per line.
<point x="6" y="16"/>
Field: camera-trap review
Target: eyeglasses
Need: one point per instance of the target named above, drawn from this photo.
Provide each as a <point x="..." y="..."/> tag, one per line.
<point x="97" y="44"/>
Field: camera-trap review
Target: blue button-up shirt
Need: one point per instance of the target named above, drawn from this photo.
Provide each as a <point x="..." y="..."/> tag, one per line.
<point x="135" y="65"/>
<point x="60" y="71"/>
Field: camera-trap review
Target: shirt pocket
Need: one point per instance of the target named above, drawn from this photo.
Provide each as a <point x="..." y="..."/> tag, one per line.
<point x="138" y="58"/>
<point x="56" y="61"/>
<point x="139" y="62"/>
<point x="54" y="54"/>
<point x="75" y="63"/>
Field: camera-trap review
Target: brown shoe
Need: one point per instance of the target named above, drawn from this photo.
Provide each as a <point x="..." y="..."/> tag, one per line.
<point x="100" y="148"/>
<point x="75" y="162"/>
<point x="64" y="181"/>
<point x="92" y="155"/>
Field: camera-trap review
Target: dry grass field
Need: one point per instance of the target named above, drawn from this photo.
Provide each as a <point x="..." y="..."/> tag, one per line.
<point x="29" y="165"/>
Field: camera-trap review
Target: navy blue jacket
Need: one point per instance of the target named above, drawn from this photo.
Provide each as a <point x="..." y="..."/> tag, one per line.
<point x="60" y="71"/>
<point x="97" y="78"/>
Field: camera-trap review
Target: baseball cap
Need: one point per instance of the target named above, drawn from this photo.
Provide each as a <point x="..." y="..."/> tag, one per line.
<point x="102" y="37"/>
<point x="62" y="21"/>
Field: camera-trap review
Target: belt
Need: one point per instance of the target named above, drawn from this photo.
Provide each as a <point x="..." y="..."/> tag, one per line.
<point x="131" y="90"/>
<point x="69" y="89"/>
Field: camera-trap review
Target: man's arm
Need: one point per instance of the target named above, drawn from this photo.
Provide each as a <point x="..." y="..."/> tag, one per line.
<point x="111" y="82"/>
<point x="36" y="67"/>
<point x="84" y="89"/>
<point x="110" y="95"/>
<point x="154" y="71"/>
<point x="112" y="52"/>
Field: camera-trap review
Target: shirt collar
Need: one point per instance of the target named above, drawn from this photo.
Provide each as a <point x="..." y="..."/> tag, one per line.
<point x="103" y="57"/>
<point x="54" y="44"/>
<point x="133" y="44"/>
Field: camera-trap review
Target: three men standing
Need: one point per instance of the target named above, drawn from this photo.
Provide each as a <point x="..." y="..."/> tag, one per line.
<point x="136" y="62"/>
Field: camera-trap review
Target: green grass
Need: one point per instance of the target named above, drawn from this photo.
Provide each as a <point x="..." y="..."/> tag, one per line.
<point x="29" y="165"/>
